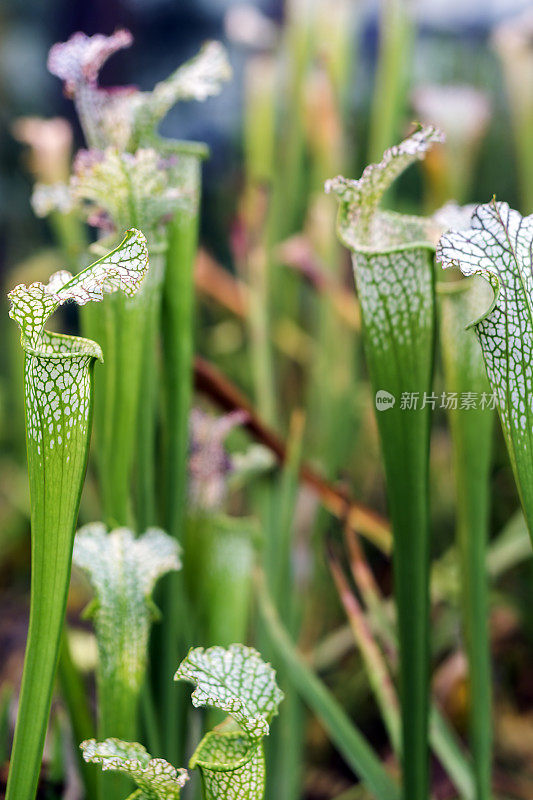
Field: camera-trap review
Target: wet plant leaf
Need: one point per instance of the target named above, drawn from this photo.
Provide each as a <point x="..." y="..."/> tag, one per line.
<point x="498" y="246"/>
<point x="155" y="777"/>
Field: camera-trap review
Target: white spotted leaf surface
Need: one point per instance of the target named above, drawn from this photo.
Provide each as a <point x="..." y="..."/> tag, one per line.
<point x="231" y="766"/>
<point x="122" y="269"/>
<point x="235" y="680"/>
<point x="392" y="256"/>
<point x="58" y="372"/>
<point x="156" y="779"/>
<point x="499" y="247"/>
<point x="123" y="571"/>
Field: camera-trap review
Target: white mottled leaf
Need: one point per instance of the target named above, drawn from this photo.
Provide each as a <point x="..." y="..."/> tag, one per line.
<point x="123" y="268"/>
<point x="499" y="247"/>
<point x="81" y="58"/>
<point x="114" y="188"/>
<point x="155" y="777"/>
<point x="197" y="79"/>
<point x="123" y="571"/>
<point x="235" y="680"/>
<point x="124" y="116"/>
<point x="360" y="224"/>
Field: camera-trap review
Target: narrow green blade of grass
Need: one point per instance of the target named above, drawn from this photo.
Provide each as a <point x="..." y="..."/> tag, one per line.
<point x="285" y="750"/>
<point x="393" y="266"/>
<point x="511" y="39"/>
<point x="471" y="429"/>
<point x="58" y="380"/>
<point x="391" y="86"/>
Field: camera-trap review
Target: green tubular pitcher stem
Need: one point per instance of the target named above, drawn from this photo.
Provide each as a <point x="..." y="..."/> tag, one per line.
<point x="118" y="716"/>
<point x="393" y="257"/>
<point x="116" y="323"/>
<point x="178" y="352"/>
<point x="471" y="430"/>
<point x="53" y="523"/>
<point x="58" y="389"/>
<point x="404" y="435"/>
<point x="147" y="412"/>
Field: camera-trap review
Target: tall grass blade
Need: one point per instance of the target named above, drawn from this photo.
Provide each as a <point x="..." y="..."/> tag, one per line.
<point x="343" y="733"/>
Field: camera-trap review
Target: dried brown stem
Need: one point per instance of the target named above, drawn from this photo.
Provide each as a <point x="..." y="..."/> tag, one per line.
<point x="211" y="382"/>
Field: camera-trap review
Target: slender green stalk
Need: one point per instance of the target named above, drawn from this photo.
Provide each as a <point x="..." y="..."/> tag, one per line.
<point x="392" y="76"/>
<point x="58" y="380"/>
<point x="286" y="748"/>
<point x="444" y="742"/>
<point x="290" y="175"/>
<point x="471" y="430"/>
<point x="219" y="554"/>
<point x="70" y="234"/>
<point x="178" y="350"/>
<point x="149" y="718"/>
<point x="512" y="40"/>
<point x="259" y="146"/>
<point x="279" y="546"/>
<point x="346" y="737"/>
<point x="147" y="411"/>
<point x="6" y="697"/>
<point x="117" y="405"/>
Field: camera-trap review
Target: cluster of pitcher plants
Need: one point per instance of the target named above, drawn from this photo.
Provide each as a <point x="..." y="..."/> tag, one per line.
<point x="171" y="545"/>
